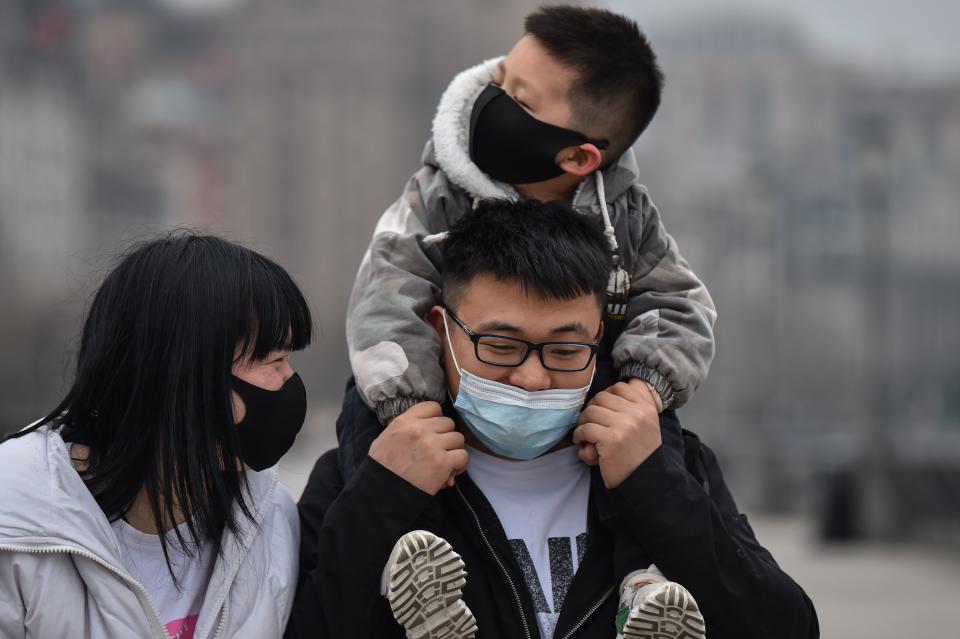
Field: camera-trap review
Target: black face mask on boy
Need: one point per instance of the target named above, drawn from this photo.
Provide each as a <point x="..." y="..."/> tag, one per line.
<point x="512" y="146"/>
<point x="272" y="421"/>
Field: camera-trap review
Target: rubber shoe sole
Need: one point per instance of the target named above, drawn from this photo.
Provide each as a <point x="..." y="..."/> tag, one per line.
<point x="668" y="612"/>
<point x="423" y="581"/>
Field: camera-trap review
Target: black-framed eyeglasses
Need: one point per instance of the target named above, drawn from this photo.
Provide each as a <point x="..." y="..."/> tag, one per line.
<point x="499" y="350"/>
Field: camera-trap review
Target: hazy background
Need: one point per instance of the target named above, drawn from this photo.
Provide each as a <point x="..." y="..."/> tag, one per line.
<point x="806" y="158"/>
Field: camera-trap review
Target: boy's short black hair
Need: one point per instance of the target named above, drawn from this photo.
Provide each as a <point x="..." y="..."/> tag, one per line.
<point x="549" y="248"/>
<point x="620" y="82"/>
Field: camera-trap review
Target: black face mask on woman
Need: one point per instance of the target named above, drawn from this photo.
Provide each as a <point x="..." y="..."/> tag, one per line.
<point x="272" y="420"/>
<point x="512" y="146"/>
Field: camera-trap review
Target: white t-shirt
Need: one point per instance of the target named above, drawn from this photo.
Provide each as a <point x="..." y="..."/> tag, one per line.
<point x="542" y="505"/>
<point x="143" y="556"/>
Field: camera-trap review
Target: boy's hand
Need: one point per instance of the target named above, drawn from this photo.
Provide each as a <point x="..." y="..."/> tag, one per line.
<point x="618" y="429"/>
<point x="422" y="447"/>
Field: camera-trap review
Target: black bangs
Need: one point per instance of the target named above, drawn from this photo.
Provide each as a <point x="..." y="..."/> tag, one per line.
<point x="278" y="317"/>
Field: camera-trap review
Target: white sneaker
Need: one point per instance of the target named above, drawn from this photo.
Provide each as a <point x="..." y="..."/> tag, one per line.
<point x="653" y="608"/>
<point x="423" y="581"/>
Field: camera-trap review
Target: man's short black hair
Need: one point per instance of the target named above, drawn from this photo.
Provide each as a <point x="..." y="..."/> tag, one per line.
<point x="619" y="83"/>
<point x="550" y="249"/>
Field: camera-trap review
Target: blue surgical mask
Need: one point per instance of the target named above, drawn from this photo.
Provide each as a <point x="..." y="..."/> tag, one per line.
<point x="511" y="421"/>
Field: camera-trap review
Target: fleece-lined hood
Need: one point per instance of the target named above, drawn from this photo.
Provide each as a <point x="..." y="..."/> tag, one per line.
<point x="449" y="150"/>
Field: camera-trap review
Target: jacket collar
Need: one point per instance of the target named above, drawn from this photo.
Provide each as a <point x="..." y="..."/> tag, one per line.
<point x="47" y="504"/>
<point x="451" y="134"/>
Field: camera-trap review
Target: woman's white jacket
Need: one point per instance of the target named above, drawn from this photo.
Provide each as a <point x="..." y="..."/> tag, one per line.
<point x="62" y="571"/>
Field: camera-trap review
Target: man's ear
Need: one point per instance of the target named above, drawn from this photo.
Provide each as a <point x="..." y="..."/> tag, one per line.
<point x="435" y="317"/>
<point x="580" y="160"/>
<point x="602" y="327"/>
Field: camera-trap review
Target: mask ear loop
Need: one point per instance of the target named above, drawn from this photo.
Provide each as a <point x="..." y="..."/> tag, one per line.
<point x="592" y="374"/>
<point x="446" y="332"/>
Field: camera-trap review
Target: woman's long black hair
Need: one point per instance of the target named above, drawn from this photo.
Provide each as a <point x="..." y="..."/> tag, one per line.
<point x="151" y="398"/>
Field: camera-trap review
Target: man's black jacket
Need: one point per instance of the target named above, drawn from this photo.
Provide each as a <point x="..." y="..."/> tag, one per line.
<point x="682" y="519"/>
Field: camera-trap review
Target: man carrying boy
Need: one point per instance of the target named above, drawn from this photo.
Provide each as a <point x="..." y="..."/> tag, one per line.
<point x="547" y="519"/>
<point x="554" y="121"/>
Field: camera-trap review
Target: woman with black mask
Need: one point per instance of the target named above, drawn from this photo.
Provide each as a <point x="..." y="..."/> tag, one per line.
<point x="145" y="504"/>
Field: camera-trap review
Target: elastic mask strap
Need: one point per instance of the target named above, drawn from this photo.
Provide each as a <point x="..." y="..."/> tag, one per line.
<point x="593" y="374"/>
<point x="446" y="331"/>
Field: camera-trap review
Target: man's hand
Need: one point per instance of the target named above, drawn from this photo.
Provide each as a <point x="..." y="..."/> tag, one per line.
<point x="422" y="447"/>
<point x="648" y="391"/>
<point x="618" y="429"/>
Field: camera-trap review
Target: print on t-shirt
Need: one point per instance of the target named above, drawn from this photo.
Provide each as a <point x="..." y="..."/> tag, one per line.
<point x="183" y="628"/>
<point x="542" y="505"/>
<point x="562" y="570"/>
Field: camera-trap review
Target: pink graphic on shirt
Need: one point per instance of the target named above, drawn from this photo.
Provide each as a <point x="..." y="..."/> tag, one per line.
<point x="183" y="628"/>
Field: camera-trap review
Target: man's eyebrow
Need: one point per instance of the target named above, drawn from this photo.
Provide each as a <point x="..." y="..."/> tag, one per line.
<point x="573" y="327"/>
<point x="494" y="325"/>
<point x="502" y="327"/>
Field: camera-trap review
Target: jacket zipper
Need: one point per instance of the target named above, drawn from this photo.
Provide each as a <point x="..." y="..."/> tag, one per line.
<point x="223" y="619"/>
<point x="138" y="588"/>
<point x="589" y="614"/>
<point x="224" y="604"/>
<point x="513" y="588"/>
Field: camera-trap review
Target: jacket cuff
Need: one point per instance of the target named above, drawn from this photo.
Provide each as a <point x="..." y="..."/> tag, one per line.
<point x="390" y="408"/>
<point x="659" y="382"/>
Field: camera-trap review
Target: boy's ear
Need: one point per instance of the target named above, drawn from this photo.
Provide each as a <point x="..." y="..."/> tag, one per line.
<point x="580" y="160"/>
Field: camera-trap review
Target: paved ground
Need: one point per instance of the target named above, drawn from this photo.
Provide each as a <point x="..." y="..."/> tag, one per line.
<point x="861" y="591"/>
<point x="870" y="590"/>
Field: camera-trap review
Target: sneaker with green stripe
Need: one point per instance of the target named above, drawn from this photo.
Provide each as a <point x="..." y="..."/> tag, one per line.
<point x="653" y="608"/>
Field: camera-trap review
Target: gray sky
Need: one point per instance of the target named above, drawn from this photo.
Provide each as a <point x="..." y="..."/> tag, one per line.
<point x="916" y="36"/>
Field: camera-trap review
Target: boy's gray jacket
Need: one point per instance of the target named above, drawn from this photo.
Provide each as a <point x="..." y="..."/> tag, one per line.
<point x="62" y="572"/>
<point x="668" y="331"/>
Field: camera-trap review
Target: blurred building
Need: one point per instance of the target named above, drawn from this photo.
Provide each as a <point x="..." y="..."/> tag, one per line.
<point x="817" y="200"/>
<point x="330" y="107"/>
<point x="290" y="126"/>
<point x="42" y="221"/>
<point x="820" y="203"/>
